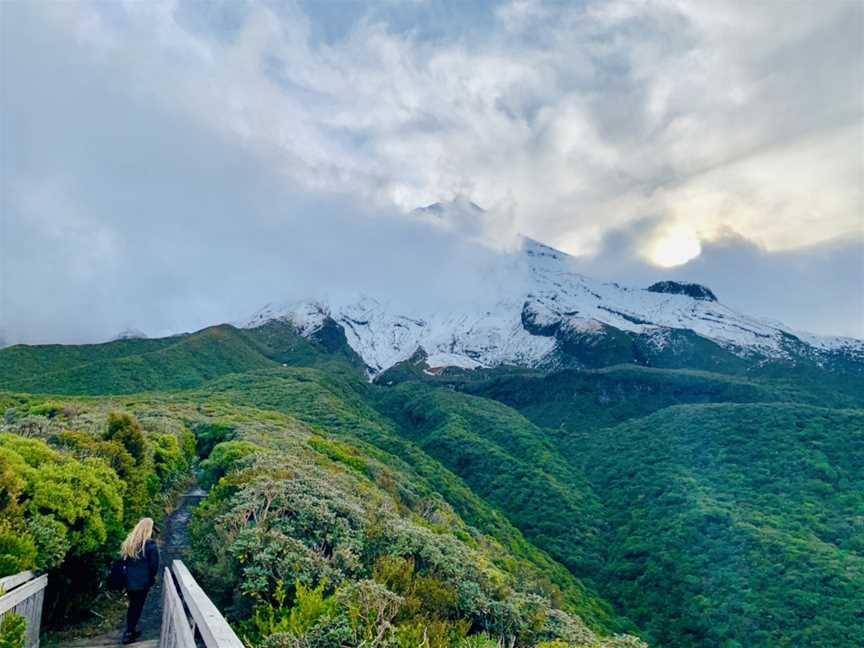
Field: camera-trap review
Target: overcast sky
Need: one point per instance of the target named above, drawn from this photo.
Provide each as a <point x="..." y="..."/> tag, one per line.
<point x="172" y="165"/>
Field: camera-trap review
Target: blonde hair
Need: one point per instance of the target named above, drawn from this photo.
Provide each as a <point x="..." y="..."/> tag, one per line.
<point x="133" y="545"/>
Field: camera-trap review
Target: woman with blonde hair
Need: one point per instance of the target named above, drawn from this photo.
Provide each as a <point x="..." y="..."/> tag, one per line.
<point x="140" y="557"/>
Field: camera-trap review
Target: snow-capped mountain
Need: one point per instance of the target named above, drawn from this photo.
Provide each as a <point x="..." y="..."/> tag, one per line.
<point x="558" y="317"/>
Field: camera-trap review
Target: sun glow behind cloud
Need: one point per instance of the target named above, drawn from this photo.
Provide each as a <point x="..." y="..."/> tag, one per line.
<point x="674" y="248"/>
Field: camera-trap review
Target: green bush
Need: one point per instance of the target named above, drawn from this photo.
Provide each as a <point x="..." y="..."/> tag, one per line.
<point x="13" y="630"/>
<point x="310" y="606"/>
<point x="49" y="409"/>
<point x="224" y="458"/>
<point x="18" y="550"/>
<point x="136" y="493"/>
<point x="51" y="539"/>
<point x="209" y="435"/>
<point x="124" y="429"/>
<point x="341" y="452"/>
<point x="481" y="640"/>
<point x="169" y="460"/>
<point x="82" y="497"/>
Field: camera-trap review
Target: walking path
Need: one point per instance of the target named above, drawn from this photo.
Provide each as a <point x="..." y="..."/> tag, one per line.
<point x="173" y="541"/>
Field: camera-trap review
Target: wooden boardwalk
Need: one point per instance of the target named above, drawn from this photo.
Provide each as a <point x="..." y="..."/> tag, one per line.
<point x="178" y="614"/>
<point x="179" y="629"/>
<point x="189" y="617"/>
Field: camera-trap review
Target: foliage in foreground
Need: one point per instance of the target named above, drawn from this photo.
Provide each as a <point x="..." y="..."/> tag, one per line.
<point x="13" y="630"/>
<point x="316" y="555"/>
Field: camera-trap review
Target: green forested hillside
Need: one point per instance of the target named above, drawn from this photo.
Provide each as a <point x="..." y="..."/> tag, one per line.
<point x="22" y="364"/>
<point x="133" y="365"/>
<point x="576" y="400"/>
<point x="339" y="405"/>
<point x="688" y="507"/>
<point x="508" y="461"/>
<point x="391" y="538"/>
<point x="181" y="362"/>
<point x="736" y="525"/>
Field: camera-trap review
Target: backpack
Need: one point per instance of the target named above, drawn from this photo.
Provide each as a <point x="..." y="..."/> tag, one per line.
<point x="117" y="576"/>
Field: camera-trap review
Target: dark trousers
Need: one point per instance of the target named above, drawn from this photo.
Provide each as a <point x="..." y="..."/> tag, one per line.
<point x="136" y="606"/>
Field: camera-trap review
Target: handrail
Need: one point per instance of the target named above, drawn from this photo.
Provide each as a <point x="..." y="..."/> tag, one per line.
<point x="10" y="582"/>
<point x="176" y="631"/>
<point x="181" y="590"/>
<point x="24" y="593"/>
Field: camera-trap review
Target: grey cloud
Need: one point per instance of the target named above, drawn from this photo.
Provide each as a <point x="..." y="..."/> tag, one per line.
<point x="120" y="215"/>
<point x="579" y="115"/>
<point x="174" y="165"/>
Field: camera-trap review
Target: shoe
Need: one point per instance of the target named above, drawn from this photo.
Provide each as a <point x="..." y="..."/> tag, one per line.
<point x="136" y="635"/>
<point x="127" y="638"/>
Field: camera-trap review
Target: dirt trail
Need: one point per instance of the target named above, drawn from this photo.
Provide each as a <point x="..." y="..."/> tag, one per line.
<point x="173" y="542"/>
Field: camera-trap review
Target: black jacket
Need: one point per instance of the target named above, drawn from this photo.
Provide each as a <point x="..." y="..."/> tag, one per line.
<point x="141" y="571"/>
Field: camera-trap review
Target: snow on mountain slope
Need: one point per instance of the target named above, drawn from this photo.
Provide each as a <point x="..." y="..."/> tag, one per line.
<point x="526" y="323"/>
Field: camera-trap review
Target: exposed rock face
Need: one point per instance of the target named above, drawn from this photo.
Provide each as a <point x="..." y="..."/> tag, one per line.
<point x="694" y="290"/>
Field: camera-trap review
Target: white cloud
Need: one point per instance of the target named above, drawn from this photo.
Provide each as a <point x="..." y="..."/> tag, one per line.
<point x="579" y="117"/>
<point x="569" y="120"/>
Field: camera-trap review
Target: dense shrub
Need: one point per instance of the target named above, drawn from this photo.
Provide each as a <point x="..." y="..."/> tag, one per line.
<point x="171" y="456"/>
<point x="210" y="433"/>
<point x="224" y="458"/>
<point x="17" y="548"/>
<point x="13" y="629"/>
<point x="127" y="431"/>
<point x="134" y="476"/>
<point x="49" y="409"/>
<point x="306" y="556"/>
<point x="71" y="504"/>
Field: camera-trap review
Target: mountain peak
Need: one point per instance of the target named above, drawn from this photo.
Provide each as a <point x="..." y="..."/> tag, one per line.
<point x="459" y="203"/>
<point x="130" y="334"/>
<point x="534" y="248"/>
<point x="546" y="314"/>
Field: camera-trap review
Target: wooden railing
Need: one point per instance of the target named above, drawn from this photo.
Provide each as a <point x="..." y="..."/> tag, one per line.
<point x="23" y="594"/>
<point x="186" y="610"/>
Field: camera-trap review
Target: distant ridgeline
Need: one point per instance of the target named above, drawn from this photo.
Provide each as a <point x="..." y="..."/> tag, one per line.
<point x="550" y="505"/>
